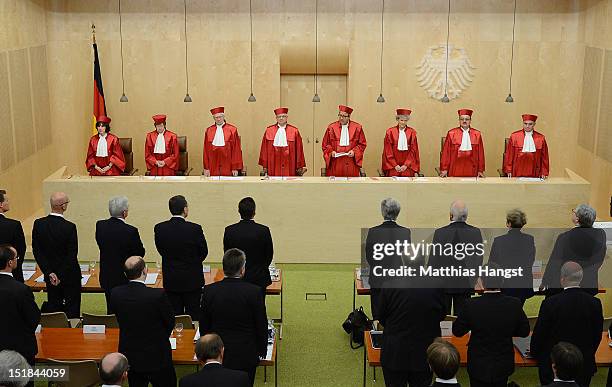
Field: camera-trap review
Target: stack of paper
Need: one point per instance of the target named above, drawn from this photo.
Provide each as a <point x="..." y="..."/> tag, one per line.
<point x="151" y="279"/>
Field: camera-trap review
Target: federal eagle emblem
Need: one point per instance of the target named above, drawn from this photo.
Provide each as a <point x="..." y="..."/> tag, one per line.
<point x="430" y="73"/>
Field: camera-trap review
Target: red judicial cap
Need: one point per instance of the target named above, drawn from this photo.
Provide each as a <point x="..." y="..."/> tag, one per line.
<point x="104" y="119"/>
<point x="529" y="117"/>
<point x="465" y="112"/>
<point x="345" y="109"/>
<point x="281" y="110"/>
<point x="159" y="118"/>
<point x="403" y="112"/>
<point x="217" y="110"/>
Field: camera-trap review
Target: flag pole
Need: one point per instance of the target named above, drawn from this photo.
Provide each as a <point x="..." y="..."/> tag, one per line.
<point x="93" y="33"/>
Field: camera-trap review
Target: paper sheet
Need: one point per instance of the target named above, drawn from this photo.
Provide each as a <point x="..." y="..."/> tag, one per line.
<point x="27" y="274"/>
<point x="84" y="279"/>
<point x="151" y="279"/>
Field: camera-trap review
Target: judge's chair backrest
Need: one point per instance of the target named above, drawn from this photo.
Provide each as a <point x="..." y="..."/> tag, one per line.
<point x="501" y="170"/>
<point x="83" y="373"/>
<point x="126" y="147"/>
<point x="108" y="320"/>
<point x="183" y="168"/>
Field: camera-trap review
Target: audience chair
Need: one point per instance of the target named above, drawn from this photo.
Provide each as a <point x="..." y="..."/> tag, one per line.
<point x="183" y="169"/>
<point x="185" y="319"/>
<point x="108" y="320"/>
<point x="532" y="322"/>
<point x="606" y="324"/>
<point x="83" y="373"/>
<point x="58" y="320"/>
<point x="501" y="170"/>
<point x="126" y="146"/>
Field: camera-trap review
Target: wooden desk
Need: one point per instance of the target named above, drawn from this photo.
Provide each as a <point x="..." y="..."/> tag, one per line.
<point x="315" y="219"/>
<point x="71" y="344"/>
<point x="371" y="356"/>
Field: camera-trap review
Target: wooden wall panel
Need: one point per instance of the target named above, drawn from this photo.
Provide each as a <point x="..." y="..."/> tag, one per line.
<point x="604" y="133"/>
<point x="7" y="145"/>
<point x="40" y="96"/>
<point x="591" y="86"/>
<point x="22" y="103"/>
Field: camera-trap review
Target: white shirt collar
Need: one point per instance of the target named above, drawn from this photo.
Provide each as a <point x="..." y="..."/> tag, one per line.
<point x="178" y="216"/>
<point x="492" y="291"/>
<point x="6" y="273"/>
<point x="212" y="362"/>
<point x="447" y="381"/>
<point x="120" y="218"/>
<point x="56" y="214"/>
<point x="564" y="381"/>
<point x="139" y="281"/>
<point x="111" y="385"/>
<point x="2" y="213"/>
<point x="570" y="287"/>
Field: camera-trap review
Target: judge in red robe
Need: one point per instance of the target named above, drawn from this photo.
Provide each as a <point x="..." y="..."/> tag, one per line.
<point x="161" y="149"/>
<point x="282" y="152"/>
<point x="104" y="154"/>
<point x="400" y="150"/>
<point x="343" y="145"/>
<point x="527" y="152"/>
<point x="222" y="155"/>
<point x="463" y="150"/>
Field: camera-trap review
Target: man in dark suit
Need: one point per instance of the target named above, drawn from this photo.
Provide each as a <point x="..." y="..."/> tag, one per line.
<point x="573" y="316"/>
<point x="236" y="311"/>
<point x="183" y="248"/>
<point x="114" y="369"/>
<point x="55" y="246"/>
<point x="256" y="242"/>
<point x="584" y="245"/>
<point x="20" y="314"/>
<point x="567" y="362"/>
<point x="515" y="250"/>
<point x="443" y="359"/>
<point x="494" y="319"/>
<point x="209" y="350"/>
<point x="11" y="233"/>
<point x="117" y="241"/>
<point x="410" y="309"/>
<point x="467" y="253"/>
<point x="146" y="320"/>
<point x="389" y="232"/>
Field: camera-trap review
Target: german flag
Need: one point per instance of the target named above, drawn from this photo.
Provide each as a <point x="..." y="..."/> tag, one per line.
<point x="99" y="106"/>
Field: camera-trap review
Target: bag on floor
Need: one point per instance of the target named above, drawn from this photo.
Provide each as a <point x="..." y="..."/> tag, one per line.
<point x="355" y="325"/>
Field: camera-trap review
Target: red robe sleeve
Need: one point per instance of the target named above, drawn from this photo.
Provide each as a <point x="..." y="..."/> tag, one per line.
<point x="413" y="162"/>
<point x="545" y="162"/>
<point x="481" y="154"/>
<point x="300" y="162"/>
<point x="236" y="152"/>
<point x="445" y="157"/>
<point x="172" y="151"/>
<point x="205" y="161"/>
<point x="509" y="156"/>
<point x="388" y="158"/>
<point x="116" y="155"/>
<point x="327" y="146"/>
<point x="359" y="149"/>
<point x="90" y="161"/>
<point x="149" y="157"/>
<point x="263" y="151"/>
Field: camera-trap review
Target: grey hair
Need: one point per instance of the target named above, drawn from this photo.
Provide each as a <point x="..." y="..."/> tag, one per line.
<point x="572" y="273"/>
<point x="390" y="209"/>
<point x="459" y="213"/>
<point x="11" y="360"/>
<point x="117" y="205"/>
<point x="586" y="215"/>
<point x="402" y="117"/>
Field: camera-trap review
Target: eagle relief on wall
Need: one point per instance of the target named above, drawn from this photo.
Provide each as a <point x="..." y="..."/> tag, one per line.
<point x="430" y="72"/>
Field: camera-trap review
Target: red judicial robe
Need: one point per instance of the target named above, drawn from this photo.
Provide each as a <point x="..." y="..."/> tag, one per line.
<point x="391" y="156"/>
<point x="344" y="165"/>
<point x="115" y="156"/>
<point x="170" y="157"/>
<point x="221" y="160"/>
<point x="462" y="163"/>
<point x="528" y="164"/>
<point x="285" y="160"/>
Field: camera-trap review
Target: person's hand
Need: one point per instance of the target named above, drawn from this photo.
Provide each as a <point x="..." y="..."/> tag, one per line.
<point x="54" y="279"/>
<point x="206" y="172"/>
<point x="404" y="168"/>
<point x="302" y="171"/>
<point x="351" y="153"/>
<point x="333" y="154"/>
<point x="234" y="172"/>
<point x="106" y="169"/>
<point x="265" y="171"/>
<point x="398" y="168"/>
<point x="443" y="173"/>
<point x="416" y="174"/>
<point x="509" y="175"/>
<point x="481" y="174"/>
<point x="544" y="177"/>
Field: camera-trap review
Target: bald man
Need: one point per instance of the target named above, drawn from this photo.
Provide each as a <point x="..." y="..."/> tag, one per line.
<point x="113" y="369"/>
<point x="55" y="247"/>
<point x="573" y="316"/>
<point x="461" y="236"/>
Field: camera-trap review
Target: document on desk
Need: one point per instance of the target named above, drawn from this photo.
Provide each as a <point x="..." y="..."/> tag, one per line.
<point x="447" y="328"/>
<point x="174" y="178"/>
<point x="27" y="274"/>
<point x="40" y="279"/>
<point x="196" y="337"/>
<point x="341" y="154"/>
<point x="530" y="179"/>
<point x="151" y="278"/>
<point x="84" y="279"/>
<point x="269" y="352"/>
<point x="235" y="178"/>
<point x="523" y="344"/>
<point x="205" y="268"/>
<point x="402" y="178"/>
<point x="172" y="342"/>
<point x="28" y="266"/>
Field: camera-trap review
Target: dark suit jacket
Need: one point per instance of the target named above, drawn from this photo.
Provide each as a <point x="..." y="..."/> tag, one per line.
<point x="55" y="246"/>
<point x="256" y="242"/>
<point x="183" y="248"/>
<point x="562" y="384"/>
<point x="215" y="375"/>
<point x="11" y="233"/>
<point x="584" y="245"/>
<point x="146" y="320"/>
<point x="493" y="319"/>
<point x="437" y="384"/>
<point x="515" y="250"/>
<point x="457" y="233"/>
<point x="20" y="316"/>
<point x="117" y="242"/>
<point x="411" y="317"/>
<point x="235" y="310"/>
<point x="573" y="316"/>
<point x="387" y="232"/>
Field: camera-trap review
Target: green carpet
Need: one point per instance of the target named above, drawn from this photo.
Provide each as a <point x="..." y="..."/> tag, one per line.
<point x="314" y="350"/>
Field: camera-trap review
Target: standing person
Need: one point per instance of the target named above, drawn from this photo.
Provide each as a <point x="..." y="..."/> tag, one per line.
<point x="527" y="152"/>
<point x="104" y="154"/>
<point x="55" y="246"/>
<point x="222" y="154"/>
<point x="343" y="145"/>
<point x="183" y="248"/>
<point x="161" y="149"/>
<point x="282" y="152"/>
<point x="11" y="233"/>
<point x="401" y="150"/>
<point x="463" y="150"/>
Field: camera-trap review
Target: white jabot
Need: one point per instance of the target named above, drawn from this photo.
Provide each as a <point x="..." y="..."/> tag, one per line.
<point x="466" y="143"/>
<point x="402" y="142"/>
<point x="528" y="144"/>
<point x="219" y="139"/>
<point x="160" y="144"/>
<point x="102" y="150"/>
<point x="280" y="139"/>
<point x="344" y="136"/>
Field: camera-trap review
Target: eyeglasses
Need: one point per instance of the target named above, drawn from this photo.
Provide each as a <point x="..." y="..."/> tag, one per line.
<point x="343" y="115"/>
<point x="64" y="203"/>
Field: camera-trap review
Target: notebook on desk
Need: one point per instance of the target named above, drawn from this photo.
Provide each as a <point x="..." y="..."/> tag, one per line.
<point x="523" y="344"/>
